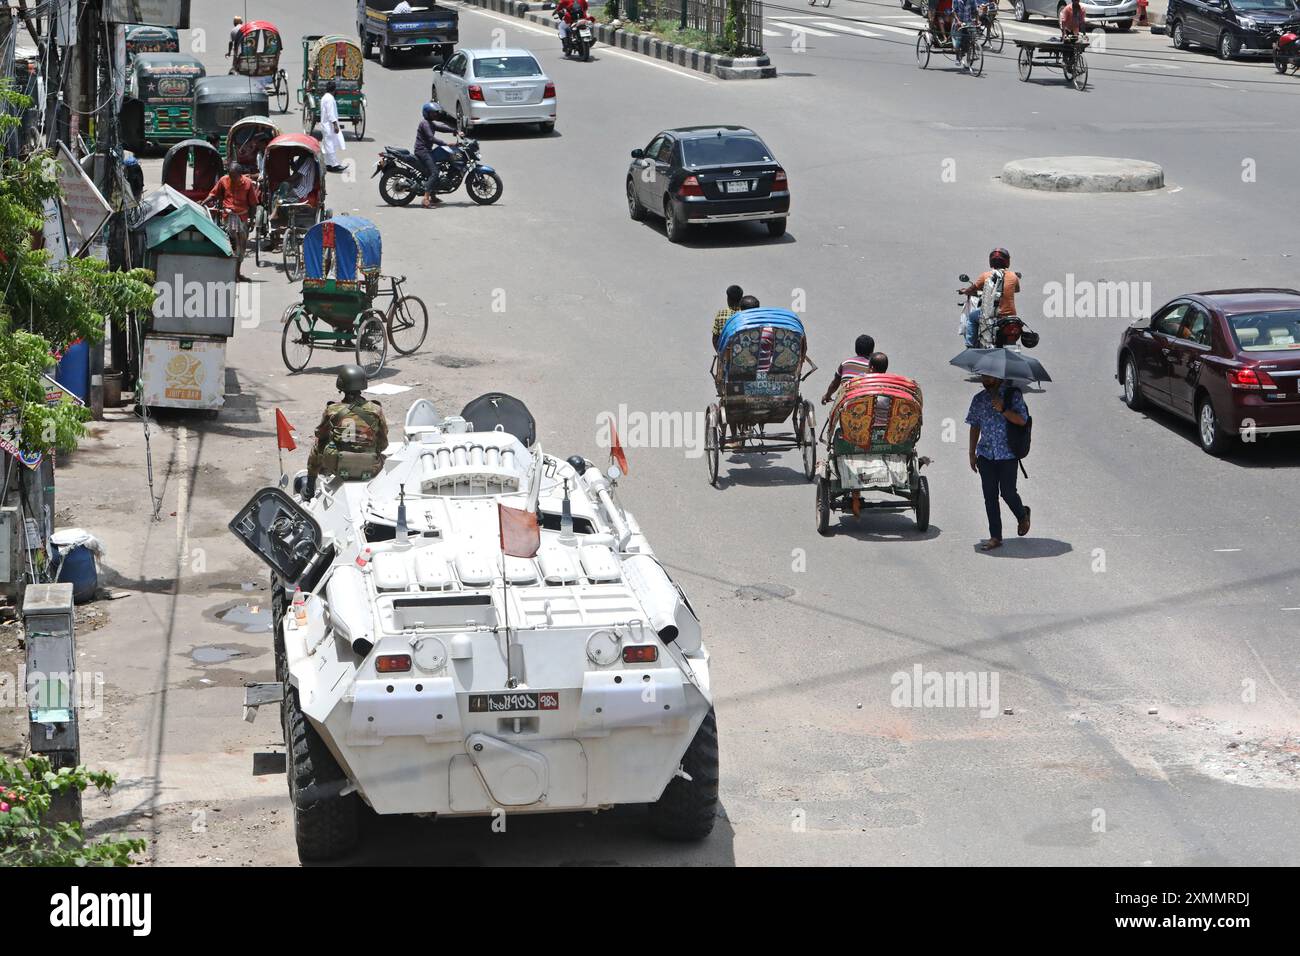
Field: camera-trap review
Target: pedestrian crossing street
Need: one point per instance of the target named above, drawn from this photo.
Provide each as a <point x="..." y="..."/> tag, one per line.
<point x="792" y="26"/>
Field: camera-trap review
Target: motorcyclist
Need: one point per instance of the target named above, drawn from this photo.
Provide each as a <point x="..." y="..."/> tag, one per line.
<point x="569" y="12"/>
<point x="999" y="261"/>
<point x="351" y="436"/>
<point x="430" y="150"/>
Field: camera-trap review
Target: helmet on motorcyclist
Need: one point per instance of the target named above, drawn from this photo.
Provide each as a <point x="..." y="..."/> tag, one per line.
<point x="431" y="110"/>
<point x="999" y="259"/>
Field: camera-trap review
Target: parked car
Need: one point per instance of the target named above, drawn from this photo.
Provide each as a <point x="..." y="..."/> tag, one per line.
<point x="701" y="175"/>
<point x="1230" y="27"/>
<point x="1227" y="360"/>
<point x="490" y="87"/>
<point x="1120" y="14"/>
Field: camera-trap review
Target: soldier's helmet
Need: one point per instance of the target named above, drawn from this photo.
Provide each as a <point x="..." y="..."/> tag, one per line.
<point x="352" y="378"/>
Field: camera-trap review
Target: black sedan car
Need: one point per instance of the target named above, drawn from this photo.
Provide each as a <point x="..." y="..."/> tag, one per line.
<point x="701" y="175"/>
<point x="1228" y="361"/>
<point x="1230" y="27"/>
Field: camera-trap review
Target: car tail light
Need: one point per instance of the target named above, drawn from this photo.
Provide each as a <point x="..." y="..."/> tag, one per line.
<point x="1251" y="378"/>
<point x="476" y="93"/>
<point x="393" y="663"/>
<point x="690" y="187"/>
<point x="640" y="654"/>
<point x="549" y="93"/>
<point x="779" y="181"/>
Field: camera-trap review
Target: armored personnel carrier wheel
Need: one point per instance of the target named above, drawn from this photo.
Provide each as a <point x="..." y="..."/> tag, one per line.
<point x="325" y="823"/>
<point x="687" y="809"/>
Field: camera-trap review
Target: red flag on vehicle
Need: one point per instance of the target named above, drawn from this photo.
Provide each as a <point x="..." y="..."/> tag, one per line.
<point x="284" y="432"/>
<point x="616" y="450"/>
<point x="520" y="535"/>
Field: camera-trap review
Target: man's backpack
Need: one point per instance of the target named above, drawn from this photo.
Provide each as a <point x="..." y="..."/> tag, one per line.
<point x="1019" y="437"/>
<point x="991" y="295"/>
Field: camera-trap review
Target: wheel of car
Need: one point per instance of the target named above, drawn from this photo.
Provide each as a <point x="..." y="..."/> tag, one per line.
<point x="1133" y="397"/>
<point x="823" y="507"/>
<point x="545" y="128"/>
<point x="776" y="228"/>
<point x="1179" y="37"/>
<point x="674" y="227"/>
<point x="1229" y="45"/>
<point x="634" y="208"/>
<point x="385" y="55"/>
<point x="1279" y="63"/>
<point x="1124" y="26"/>
<point x="460" y="119"/>
<point x="906" y="4"/>
<point x="1213" y="439"/>
<point x="1019" y="12"/>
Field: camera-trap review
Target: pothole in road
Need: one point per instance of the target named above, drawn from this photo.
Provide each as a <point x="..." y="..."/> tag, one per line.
<point x="251" y="617"/>
<point x="764" y="592"/>
<point x="456" y="361"/>
<point x="218" y="654"/>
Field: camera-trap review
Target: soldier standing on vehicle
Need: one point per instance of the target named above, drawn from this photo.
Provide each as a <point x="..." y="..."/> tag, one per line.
<point x="351" y="436"/>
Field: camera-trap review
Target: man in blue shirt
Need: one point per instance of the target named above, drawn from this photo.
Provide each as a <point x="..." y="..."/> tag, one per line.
<point x="991" y="455"/>
<point x="964" y="15"/>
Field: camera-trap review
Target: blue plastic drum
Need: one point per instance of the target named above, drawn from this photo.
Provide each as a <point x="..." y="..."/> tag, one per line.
<point x="76" y="564"/>
<point x="73" y="371"/>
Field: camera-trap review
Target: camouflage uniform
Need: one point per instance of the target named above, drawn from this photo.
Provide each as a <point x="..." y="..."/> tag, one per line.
<point x="350" y="440"/>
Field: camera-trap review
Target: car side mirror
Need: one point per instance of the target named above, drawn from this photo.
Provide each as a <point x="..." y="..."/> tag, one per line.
<point x="638" y="154"/>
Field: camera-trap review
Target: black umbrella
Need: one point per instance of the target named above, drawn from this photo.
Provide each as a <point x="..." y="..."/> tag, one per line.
<point x="1008" y="365"/>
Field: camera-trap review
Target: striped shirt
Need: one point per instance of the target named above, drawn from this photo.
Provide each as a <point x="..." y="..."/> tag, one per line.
<point x="853" y="367"/>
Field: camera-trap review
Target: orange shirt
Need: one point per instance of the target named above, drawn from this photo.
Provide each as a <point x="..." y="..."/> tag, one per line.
<point x="1010" y="286"/>
<point x="239" y="199"/>
<point x="1068" y="20"/>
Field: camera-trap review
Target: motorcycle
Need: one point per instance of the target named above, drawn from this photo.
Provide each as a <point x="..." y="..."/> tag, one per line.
<point x="402" y="175"/>
<point x="579" y="40"/>
<point x="1286" y="49"/>
<point x="1003" y="331"/>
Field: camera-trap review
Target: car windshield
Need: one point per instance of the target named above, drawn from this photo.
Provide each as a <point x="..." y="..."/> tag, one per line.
<point x="1266" y="331"/>
<point x="1264" y="6"/>
<point x="504" y="67"/>
<point x="724" y="151"/>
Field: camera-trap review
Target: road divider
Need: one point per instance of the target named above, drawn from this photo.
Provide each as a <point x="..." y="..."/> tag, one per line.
<point x="1083" y="174"/>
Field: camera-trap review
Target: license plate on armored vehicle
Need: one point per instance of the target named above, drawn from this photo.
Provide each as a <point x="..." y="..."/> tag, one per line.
<point x="514" y="702"/>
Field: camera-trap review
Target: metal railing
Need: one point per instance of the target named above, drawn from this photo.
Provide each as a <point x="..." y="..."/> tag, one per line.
<point x="707" y="16"/>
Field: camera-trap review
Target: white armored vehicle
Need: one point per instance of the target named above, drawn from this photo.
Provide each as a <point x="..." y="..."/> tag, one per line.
<point x="422" y="670"/>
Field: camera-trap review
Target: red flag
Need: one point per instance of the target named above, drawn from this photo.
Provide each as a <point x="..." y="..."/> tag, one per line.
<point x="616" y="450"/>
<point x="520" y="536"/>
<point x="284" y="432"/>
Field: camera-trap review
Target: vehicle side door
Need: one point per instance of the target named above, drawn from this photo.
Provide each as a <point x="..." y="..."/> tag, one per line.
<point x="452" y="80"/>
<point x="1186" y="356"/>
<point x="1151" y="349"/>
<point x="641" y="178"/>
<point x="663" y="167"/>
<point x="1209" y="21"/>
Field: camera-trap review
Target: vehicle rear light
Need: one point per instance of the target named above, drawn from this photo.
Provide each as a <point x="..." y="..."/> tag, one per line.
<point x="640" y="654"/>
<point x="392" y="663"/>
<point x="1251" y="378"/>
<point x="779" y="181"/>
<point x="549" y="92"/>
<point x="690" y="187"/>
<point x="476" y="93"/>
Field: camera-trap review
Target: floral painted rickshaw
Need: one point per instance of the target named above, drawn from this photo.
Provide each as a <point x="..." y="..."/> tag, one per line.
<point x="257" y="54"/>
<point x="336" y="58"/>
<point x="293" y="198"/>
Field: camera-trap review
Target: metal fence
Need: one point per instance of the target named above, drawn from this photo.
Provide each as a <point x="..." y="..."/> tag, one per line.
<point x="708" y="16"/>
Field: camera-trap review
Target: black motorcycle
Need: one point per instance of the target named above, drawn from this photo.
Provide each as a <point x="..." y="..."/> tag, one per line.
<point x="402" y="176"/>
<point x="579" y="40"/>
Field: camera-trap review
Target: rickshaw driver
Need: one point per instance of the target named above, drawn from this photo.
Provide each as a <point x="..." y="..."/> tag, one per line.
<point x="237" y="195"/>
<point x="234" y="35"/>
<point x="1072" y="20"/>
<point x="351" y="436"/>
<point x="864" y="348"/>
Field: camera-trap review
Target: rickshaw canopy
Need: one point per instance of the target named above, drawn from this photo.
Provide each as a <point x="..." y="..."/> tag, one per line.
<point x="141" y="38"/>
<point x="337" y="58"/>
<point x="281" y="150"/>
<point x="757" y="319"/>
<point x="257" y="51"/>
<point x="246" y="129"/>
<point x="355" y="244"/>
<point x="222" y="101"/>
<point x="192" y="154"/>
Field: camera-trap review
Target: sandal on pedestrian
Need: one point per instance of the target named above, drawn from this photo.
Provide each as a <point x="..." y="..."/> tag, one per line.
<point x="426" y="202"/>
<point x="990" y="544"/>
<point x="1022" y="529"/>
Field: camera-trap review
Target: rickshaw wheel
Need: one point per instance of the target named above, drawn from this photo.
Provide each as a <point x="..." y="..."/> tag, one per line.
<point x="281" y="90"/>
<point x="808" y="440"/>
<point x="712" y="442"/>
<point x="308" y="120"/>
<point x="997" y="39"/>
<point x="823" y="507"/>
<point x="1080" y="78"/>
<point x="295" y="341"/>
<point x="408" y="324"/>
<point x="922" y="505"/>
<point x="359" y="124"/>
<point x="372" y="343"/>
<point x="922" y="50"/>
<point x="291" y="249"/>
<point x="1025" y="63"/>
<point x="975" y="59"/>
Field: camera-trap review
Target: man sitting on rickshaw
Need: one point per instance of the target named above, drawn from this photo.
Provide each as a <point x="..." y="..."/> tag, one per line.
<point x="855" y="365"/>
<point x="941" y="20"/>
<point x="236" y="196"/>
<point x="295" y="190"/>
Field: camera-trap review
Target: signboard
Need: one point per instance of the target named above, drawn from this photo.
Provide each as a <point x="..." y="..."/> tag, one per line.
<point x="179" y="372"/>
<point x="56" y="240"/>
<point x="84" y="209"/>
<point x="195" y="295"/>
<point x="156" y="13"/>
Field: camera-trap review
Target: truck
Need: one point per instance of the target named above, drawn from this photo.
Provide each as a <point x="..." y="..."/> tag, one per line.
<point x="435" y="656"/>
<point x="429" y="30"/>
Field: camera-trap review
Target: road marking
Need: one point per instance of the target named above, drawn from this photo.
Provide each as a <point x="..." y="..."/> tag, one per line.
<point x="772" y="33"/>
<point x="1040" y="31"/>
<point x="799" y="28"/>
<point x="902" y="30"/>
<point x="835" y="26"/>
<point x="182" y="492"/>
<point x="1226" y="550"/>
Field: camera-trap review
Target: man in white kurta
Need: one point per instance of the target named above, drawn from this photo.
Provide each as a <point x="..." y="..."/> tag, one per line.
<point x="331" y="132"/>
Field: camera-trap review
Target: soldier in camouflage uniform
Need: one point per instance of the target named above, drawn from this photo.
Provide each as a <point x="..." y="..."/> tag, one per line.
<point x="351" y="436"/>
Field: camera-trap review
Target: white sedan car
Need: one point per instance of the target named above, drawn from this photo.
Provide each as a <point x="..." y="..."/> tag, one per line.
<point x="488" y="87"/>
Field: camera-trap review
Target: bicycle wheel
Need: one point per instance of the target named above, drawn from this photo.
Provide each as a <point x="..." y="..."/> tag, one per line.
<point x="295" y="341"/>
<point x="408" y="324"/>
<point x="372" y="343"/>
<point x="291" y="250"/>
<point x="1080" y="78"/>
<point x="1025" y="63"/>
<point x="997" y="39"/>
<point x="975" y="58"/>
<point x="922" y="50"/>
<point x="281" y="92"/>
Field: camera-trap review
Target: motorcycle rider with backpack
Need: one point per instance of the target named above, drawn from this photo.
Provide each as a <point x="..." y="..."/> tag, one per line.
<point x="997" y="288"/>
<point x="430" y="150"/>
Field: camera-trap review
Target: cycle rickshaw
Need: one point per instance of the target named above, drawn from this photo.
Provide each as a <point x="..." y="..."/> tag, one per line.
<point x="293" y="198"/>
<point x="1060" y="53"/>
<point x="871" y="437"/>
<point x="929" y="42"/>
<point x="192" y="168"/>
<point x="339" y="59"/>
<point x="758" y="368"/>
<point x="337" y="312"/>
<point x="257" y="54"/>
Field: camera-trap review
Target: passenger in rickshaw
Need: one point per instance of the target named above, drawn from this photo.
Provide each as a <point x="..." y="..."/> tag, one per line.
<point x="852" y="367"/>
<point x="252" y="151"/>
<point x="236" y="195"/>
<point x="297" y="189"/>
<point x="941" y="20"/>
<point x="734" y="294"/>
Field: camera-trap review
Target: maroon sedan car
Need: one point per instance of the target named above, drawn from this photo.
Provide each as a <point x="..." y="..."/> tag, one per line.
<point x="1228" y="361"/>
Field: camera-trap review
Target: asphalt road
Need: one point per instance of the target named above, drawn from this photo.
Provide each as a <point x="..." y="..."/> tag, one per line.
<point x="1141" y="636"/>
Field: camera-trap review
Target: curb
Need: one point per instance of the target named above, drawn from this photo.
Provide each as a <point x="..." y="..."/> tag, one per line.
<point x="1083" y="174"/>
<point x="723" y="67"/>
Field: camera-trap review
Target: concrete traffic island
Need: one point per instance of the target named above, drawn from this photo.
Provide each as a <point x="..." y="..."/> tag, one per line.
<point x="1083" y="174"/>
